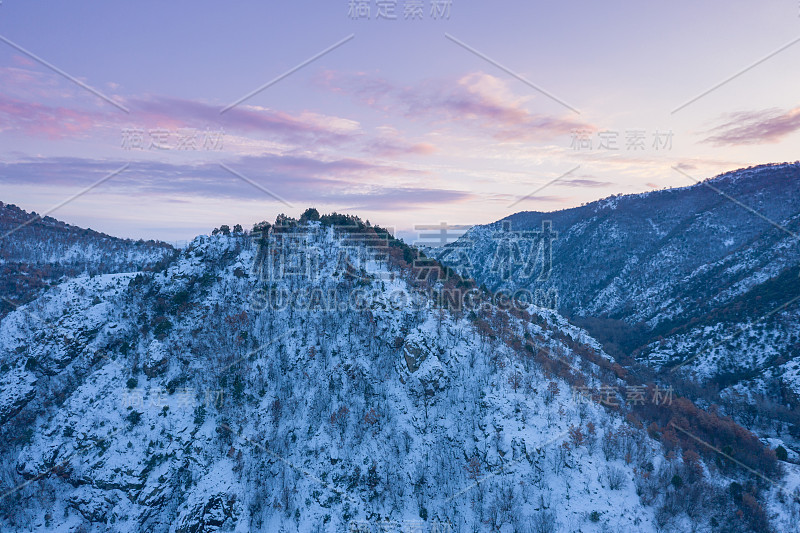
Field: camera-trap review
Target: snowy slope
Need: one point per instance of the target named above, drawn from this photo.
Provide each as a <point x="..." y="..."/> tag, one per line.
<point x="699" y="283"/>
<point x="38" y="252"/>
<point x="315" y="386"/>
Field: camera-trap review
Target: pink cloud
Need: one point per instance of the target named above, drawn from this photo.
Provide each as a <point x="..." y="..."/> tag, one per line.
<point x="478" y="100"/>
<point x="297" y="131"/>
<point x="29" y="84"/>
<point x="43" y="105"/>
<point x="756" y="127"/>
<point x="57" y="122"/>
<point x="391" y="144"/>
<point x="39" y="120"/>
<point x="23" y="60"/>
<point x="306" y="127"/>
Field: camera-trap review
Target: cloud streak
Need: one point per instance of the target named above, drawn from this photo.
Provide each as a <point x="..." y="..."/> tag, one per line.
<point x="291" y="129"/>
<point x="58" y="122"/>
<point x="755" y="127"/>
<point x="478" y="100"/>
<point x="585" y="182"/>
<point x="40" y="120"/>
<point x="343" y="182"/>
<point x="27" y="108"/>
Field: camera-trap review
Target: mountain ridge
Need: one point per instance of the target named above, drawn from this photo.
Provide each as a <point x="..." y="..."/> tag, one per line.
<point x="194" y="399"/>
<point x="689" y="282"/>
<point x="37" y="252"/>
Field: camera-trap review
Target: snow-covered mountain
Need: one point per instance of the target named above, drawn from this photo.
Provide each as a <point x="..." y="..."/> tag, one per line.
<point x="37" y="252"/>
<point x="312" y="377"/>
<point x="698" y="282"/>
<point x="651" y="258"/>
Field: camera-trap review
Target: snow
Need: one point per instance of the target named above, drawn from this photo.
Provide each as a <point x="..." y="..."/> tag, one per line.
<point x="407" y="392"/>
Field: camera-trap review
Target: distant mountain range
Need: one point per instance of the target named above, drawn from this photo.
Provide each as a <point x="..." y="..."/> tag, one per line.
<point x="38" y="252"/>
<point x="700" y="282"/>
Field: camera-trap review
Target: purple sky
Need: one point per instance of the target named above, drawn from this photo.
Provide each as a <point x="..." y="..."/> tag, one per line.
<point x="400" y="124"/>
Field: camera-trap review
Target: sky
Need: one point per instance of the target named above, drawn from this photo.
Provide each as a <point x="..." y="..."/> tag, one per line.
<point x="166" y="119"/>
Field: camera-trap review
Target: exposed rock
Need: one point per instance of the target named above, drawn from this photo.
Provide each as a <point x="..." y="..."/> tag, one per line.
<point x="157" y="359"/>
<point x="208" y="515"/>
<point x="93" y="504"/>
<point x="432" y="376"/>
<point x="415" y="350"/>
<point x="17" y="388"/>
<point x="518" y="449"/>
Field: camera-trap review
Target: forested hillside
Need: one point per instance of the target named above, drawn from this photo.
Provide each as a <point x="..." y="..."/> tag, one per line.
<point x="38" y="252"/>
<point x="698" y="283"/>
<point x="310" y="376"/>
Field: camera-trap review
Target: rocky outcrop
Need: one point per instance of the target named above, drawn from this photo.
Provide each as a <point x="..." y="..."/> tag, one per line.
<point x="156" y="360"/>
<point x="17" y="388"/>
<point x="208" y="515"/>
